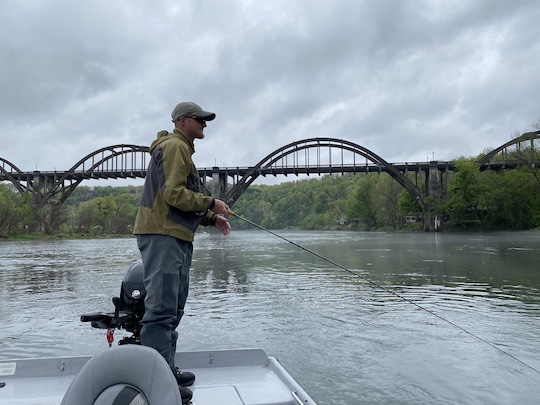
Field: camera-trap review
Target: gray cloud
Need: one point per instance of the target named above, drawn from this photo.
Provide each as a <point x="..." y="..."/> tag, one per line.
<point x="404" y="79"/>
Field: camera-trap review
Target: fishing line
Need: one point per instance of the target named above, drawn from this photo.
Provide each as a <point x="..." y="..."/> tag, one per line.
<point x="387" y="290"/>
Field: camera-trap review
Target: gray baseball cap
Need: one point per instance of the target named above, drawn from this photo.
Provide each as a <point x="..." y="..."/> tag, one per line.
<point x="187" y="108"/>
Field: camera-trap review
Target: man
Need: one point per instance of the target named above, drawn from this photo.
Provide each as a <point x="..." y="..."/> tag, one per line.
<point x="172" y="207"/>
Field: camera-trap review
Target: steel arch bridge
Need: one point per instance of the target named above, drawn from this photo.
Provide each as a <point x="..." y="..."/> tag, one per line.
<point x="116" y="161"/>
<point x="294" y="148"/>
<point x="130" y="161"/>
<point x="512" y="153"/>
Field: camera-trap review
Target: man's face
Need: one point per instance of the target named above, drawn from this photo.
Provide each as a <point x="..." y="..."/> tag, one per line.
<point x="194" y="127"/>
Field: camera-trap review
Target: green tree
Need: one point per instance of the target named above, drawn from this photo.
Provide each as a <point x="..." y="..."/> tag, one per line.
<point x="407" y="204"/>
<point x="124" y="213"/>
<point x="388" y="191"/>
<point x="106" y="210"/>
<point x="512" y="199"/>
<point x="86" y="213"/>
<point x="464" y="196"/>
<point x="16" y="211"/>
<point x="362" y="202"/>
<point x="8" y="217"/>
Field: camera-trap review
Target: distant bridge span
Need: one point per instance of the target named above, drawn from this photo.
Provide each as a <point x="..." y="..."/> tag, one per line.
<point x="111" y="162"/>
<point x="316" y="143"/>
<point x="131" y="161"/>
<point x="528" y="138"/>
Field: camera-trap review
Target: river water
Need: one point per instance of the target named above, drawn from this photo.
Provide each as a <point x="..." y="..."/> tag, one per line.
<point x="424" y="319"/>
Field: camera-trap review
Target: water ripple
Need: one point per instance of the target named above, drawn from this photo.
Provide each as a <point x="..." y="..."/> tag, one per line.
<point x="370" y="336"/>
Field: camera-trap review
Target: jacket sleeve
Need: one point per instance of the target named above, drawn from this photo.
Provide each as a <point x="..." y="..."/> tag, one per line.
<point x="177" y="171"/>
<point x="209" y="219"/>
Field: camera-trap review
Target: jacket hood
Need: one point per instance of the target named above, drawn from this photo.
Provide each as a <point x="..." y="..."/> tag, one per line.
<point x="163" y="136"/>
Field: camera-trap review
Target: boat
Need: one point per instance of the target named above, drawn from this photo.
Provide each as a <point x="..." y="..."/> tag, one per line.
<point x="132" y="374"/>
<point x="224" y="377"/>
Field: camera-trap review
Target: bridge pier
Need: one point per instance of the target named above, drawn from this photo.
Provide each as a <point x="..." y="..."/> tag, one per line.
<point x="35" y="186"/>
<point x="432" y="221"/>
<point x="219" y="183"/>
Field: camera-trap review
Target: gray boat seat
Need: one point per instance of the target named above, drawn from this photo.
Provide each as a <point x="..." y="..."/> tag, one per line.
<point x="124" y="375"/>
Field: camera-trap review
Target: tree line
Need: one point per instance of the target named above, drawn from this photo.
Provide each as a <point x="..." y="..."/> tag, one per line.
<point x="471" y="200"/>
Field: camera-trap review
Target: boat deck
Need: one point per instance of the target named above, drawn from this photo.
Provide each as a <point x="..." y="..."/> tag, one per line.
<point x="225" y="377"/>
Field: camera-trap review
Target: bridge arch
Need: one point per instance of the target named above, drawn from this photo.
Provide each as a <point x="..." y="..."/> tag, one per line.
<point x="6" y="169"/>
<point x="236" y="191"/>
<point x="109" y="162"/>
<point x="528" y="136"/>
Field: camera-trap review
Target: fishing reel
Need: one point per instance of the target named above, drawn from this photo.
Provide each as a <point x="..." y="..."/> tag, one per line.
<point x="128" y="308"/>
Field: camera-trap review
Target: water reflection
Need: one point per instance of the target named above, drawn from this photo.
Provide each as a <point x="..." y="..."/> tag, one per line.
<point x="218" y="266"/>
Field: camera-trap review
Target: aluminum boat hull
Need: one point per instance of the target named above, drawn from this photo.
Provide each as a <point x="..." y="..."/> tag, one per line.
<point x="224" y="377"/>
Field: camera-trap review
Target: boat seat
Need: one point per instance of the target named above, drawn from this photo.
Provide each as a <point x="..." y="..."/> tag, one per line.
<point x="124" y="375"/>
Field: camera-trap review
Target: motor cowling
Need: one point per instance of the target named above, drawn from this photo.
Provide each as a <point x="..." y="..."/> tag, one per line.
<point x="132" y="291"/>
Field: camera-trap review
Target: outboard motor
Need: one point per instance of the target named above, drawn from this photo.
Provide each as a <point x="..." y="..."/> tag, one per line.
<point x="128" y="308"/>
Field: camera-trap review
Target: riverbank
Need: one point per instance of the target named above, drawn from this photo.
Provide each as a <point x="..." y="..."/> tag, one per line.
<point x="409" y="228"/>
<point x="57" y="236"/>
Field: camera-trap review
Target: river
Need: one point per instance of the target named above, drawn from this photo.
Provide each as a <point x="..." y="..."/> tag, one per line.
<point x="415" y="318"/>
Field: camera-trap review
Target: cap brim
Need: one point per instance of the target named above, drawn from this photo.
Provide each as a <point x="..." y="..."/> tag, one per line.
<point x="207" y="116"/>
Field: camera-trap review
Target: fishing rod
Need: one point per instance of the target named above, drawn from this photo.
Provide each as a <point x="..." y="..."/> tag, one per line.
<point x="386" y="289"/>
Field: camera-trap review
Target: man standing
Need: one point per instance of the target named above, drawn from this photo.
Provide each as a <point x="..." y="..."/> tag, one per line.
<point x="172" y="207"/>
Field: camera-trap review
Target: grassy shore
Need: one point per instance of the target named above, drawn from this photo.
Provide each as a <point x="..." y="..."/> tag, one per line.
<point x="42" y="236"/>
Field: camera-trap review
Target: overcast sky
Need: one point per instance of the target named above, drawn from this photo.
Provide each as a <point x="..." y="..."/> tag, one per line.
<point x="409" y="80"/>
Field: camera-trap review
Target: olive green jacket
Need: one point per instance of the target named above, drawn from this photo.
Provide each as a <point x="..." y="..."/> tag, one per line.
<point x="173" y="202"/>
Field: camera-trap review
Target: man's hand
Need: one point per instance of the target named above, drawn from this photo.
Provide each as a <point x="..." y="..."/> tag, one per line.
<point x="221" y="208"/>
<point x="223" y="225"/>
